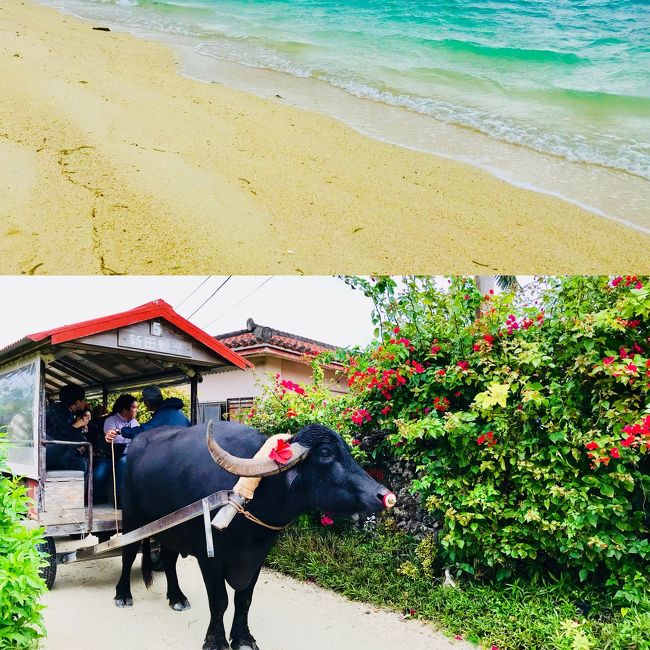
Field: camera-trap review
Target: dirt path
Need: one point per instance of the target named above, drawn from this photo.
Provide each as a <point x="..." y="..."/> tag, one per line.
<point x="80" y="614"/>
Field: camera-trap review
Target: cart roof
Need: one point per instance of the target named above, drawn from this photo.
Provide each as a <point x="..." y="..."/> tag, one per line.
<point x="150" y="343"/>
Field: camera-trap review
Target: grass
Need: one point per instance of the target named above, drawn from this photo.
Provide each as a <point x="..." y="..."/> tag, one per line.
<point x="384" y="569"/>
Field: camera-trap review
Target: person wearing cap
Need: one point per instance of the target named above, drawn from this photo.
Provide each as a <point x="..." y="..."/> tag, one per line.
<point x="166" y="412"/>
<point x="61" y="423"/>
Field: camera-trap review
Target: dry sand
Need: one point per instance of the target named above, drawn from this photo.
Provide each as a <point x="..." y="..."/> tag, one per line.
<point x="114" y="163"/>
<point x="285" y="615"/>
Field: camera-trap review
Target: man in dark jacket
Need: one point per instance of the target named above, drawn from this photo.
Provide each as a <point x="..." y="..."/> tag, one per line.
<point x="166" y="412"/>
<point x="61" y="424"/>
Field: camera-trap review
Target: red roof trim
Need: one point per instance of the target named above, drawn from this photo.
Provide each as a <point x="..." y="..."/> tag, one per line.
<point x="154" y="309"/>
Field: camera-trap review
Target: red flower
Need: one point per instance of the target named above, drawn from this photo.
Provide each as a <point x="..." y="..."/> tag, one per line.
<point x="608" y="360"/>
<point x="396" y="330"/>
<point x="622" y="353"/>
<point x="463" y="365"/>
<point x="291" y="413"/>
<point x="591" y="445"/>
<point x="617" y="281"/>
<point x="613" y="452"/>
<point x="435" y="349"/>
<point x="638" y="285"/>
<point x="476" y="347"/>
<point x="466" y="296"/>
<point x="628" y="441"/>
<point x="631" y="367"/>
<point x="356" y="442"/>
<point x="282" y="452"/>
<point x="488" y="338"/>
<point x="418" y="367"/>
<point x="360" y="416"/>
<point x="441" y="372"/>
<point x="386" y="410"/>
<point x="481" y="439"/>
<point x="326" y="521"/>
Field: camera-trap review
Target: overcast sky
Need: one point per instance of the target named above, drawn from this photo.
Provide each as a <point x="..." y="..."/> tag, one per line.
<point x="321" y="308"/>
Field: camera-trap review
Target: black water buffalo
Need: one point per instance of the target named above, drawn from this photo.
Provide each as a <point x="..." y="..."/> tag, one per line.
<point x="169" y="468"/>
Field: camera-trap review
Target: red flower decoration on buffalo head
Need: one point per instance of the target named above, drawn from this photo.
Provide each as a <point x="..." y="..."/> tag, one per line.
<point x="282" y="452"/>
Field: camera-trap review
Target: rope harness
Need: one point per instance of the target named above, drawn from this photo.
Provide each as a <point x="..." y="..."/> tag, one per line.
<point x="252" y="517"/>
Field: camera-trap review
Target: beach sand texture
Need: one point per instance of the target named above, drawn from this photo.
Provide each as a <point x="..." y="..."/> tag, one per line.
<point x="114" y="163"/>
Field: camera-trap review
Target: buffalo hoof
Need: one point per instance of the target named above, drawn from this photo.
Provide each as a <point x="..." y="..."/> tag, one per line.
<point x="180" y="605"/>
<point x="124" y="602"/>
<point x="213" y="644"/>
<point x="247" y="643"/>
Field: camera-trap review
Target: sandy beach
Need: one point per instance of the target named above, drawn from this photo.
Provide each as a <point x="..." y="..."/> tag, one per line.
<point x="114" y="163"/>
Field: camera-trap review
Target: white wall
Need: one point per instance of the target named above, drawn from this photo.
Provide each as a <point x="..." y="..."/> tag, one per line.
<point x="242" y="383"/>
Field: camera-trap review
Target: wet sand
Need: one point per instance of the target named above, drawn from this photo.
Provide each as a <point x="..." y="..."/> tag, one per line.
<point x="112" y="162"/>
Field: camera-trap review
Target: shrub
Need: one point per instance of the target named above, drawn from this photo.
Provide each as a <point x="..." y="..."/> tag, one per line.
<point x="21" y="624"/>
<point x="527" y="417"/>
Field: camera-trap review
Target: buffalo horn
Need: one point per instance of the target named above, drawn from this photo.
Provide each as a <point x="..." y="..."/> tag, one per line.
<point x="259" y="467"/>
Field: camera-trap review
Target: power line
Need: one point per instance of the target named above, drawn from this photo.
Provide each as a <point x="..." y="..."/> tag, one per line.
<point x="193" y="292"/>
<point x="214" y="293"/>
<point x="259" y="286"/>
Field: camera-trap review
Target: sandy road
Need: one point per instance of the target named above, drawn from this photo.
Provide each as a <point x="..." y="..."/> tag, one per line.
<point x="286" y="615"/>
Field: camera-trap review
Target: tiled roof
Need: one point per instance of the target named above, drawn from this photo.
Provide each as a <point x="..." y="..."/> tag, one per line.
<point x="260" y="336"/>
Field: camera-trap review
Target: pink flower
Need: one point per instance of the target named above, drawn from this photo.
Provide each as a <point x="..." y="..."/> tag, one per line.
<point x="608" y="360"/>
<point x="463" y="365"/>
<point x="360" y="416"/>
<point x="614" y="453"/>
<point x="326" y="521"/>
<point x="396" y="330"/>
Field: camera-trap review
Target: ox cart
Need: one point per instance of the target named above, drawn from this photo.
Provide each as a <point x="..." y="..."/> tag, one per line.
<point x="122" y="352"/>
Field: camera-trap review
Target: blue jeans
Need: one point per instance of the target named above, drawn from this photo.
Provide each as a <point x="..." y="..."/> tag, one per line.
<point x="103" y="479"/>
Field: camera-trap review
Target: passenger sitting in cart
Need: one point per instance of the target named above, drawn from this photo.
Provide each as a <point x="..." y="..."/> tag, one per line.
<point x="61" y="423"/>
<point x="122" y="416"/>
<point x="166" y="412"/>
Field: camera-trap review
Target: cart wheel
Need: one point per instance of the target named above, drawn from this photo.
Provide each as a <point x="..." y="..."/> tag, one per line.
<point x="48" y="572"/>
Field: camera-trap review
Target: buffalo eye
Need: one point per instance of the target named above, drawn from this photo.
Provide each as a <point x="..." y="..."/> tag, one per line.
<point x="325" y="455"/>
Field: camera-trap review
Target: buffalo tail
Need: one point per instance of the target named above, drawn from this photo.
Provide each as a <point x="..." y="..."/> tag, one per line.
<point x="147" y="572"/>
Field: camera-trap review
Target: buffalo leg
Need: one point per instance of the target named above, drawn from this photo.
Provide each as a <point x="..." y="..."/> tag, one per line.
<point x="215" y="637"/>
<point x="240" y="636"/>
<point x="123" y="597"/>
<point x="176" y="598"/>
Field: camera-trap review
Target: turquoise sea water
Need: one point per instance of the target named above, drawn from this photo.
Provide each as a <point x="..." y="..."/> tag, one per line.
<point x="566" y="77"/>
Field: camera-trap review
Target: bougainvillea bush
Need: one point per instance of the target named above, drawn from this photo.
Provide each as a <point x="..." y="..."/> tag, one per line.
<point x="526" y="413"/>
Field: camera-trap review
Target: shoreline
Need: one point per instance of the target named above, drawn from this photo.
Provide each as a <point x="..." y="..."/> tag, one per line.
<point x="130" y="167"/>
<point x="614" y="194"/>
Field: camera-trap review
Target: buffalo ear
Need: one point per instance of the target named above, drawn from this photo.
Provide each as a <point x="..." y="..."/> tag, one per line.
<point x="291" y="476"/>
